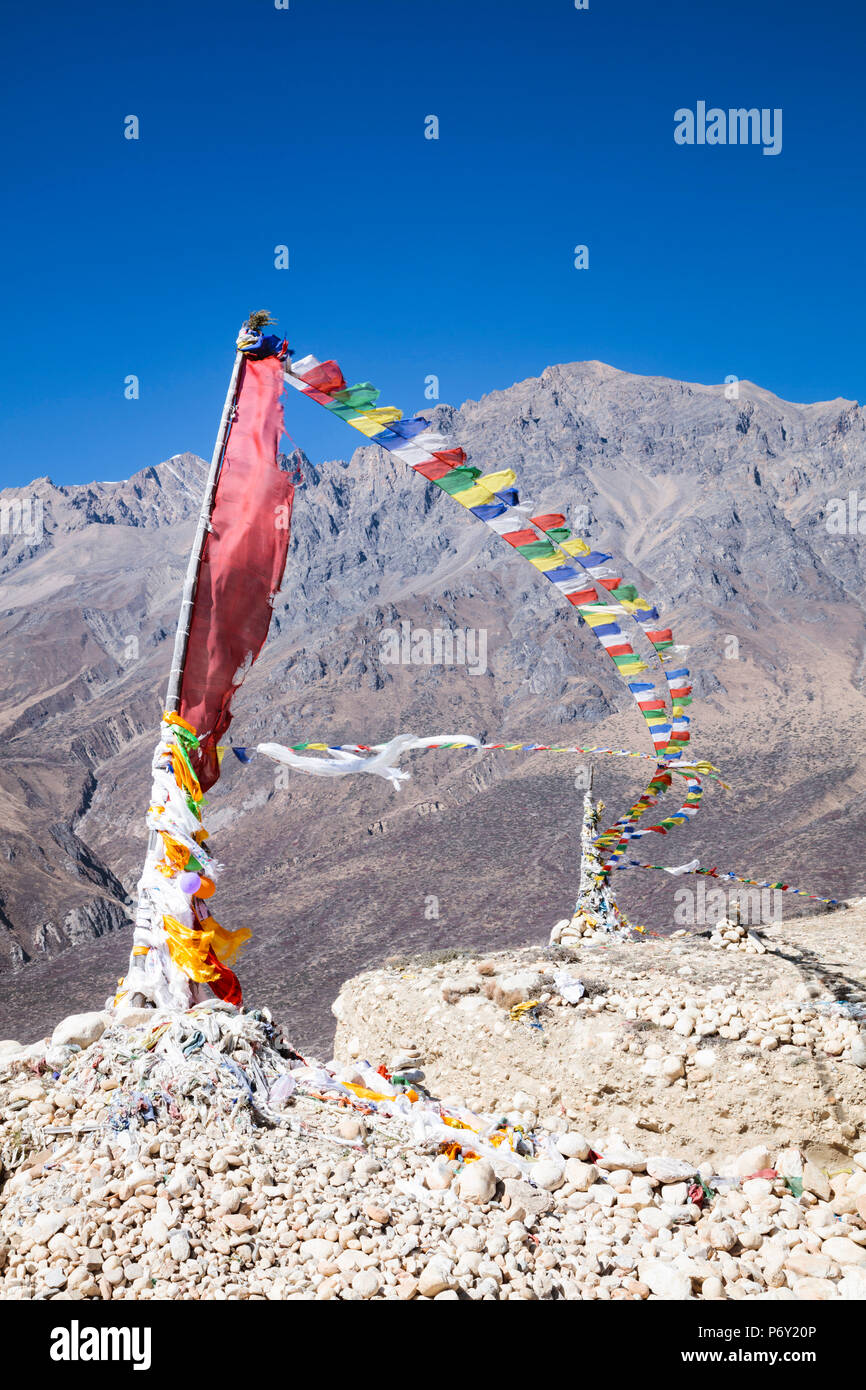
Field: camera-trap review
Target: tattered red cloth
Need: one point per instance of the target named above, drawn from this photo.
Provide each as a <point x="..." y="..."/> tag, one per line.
<point x="227" y="986"/>
<point x="242" y="564"/>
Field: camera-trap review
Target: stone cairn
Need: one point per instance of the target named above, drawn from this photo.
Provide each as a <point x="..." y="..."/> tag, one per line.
<point x="596" y="916"/>
<point x="731" y="934"/>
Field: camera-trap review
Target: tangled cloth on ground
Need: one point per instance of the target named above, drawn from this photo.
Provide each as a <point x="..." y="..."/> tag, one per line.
<point x="215" y="1060"/>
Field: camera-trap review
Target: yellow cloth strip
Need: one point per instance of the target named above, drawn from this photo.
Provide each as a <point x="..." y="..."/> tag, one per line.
<point x="183" y="776"/>
<point x="226" y="944"/>
<point x="189" y="950"/>
<point x="517" y="1009"/>
<point x="176" y="853"/>
<point x="363" y="1094"/>
<point x="176" y="719"/>
<point x="574" y="546"/>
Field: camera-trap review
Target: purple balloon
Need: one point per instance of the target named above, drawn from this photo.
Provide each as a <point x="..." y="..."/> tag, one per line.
<point x="189" y="883"/>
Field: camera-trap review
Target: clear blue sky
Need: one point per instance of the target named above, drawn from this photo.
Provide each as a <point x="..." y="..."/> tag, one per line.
<point x="409" y="256"/>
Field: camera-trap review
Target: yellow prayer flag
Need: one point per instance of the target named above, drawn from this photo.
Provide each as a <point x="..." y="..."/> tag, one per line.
<point x="574" y="546"/>
<point x="498" y="482"/>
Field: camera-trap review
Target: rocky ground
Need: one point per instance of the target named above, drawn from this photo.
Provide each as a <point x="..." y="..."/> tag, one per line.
<point x="691" y="1125"/>
<point x="673" y="1037"/>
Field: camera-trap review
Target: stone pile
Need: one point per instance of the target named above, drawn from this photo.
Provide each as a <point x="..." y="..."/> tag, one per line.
<point x="129" y="1202"/>
<point x="808" y="1019"/>
<point x="154" y="1156"/>
<point x="582" y="928"/>
<point x="736" y="936"/>
<point x="595" y="916"/>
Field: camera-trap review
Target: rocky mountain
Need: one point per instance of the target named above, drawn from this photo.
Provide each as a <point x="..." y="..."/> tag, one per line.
<point x="721" y="509"/>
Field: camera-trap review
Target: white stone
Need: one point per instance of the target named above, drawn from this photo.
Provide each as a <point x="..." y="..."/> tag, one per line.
<point x="318" y="1249"/>
<point x="547" y="1175"/>
<point x="439" y="1175"/>
<point x="720" y="1235"/>
<point x="179" y="1247"/>
<point x="844" y="1251"/>
<point x="436" y="1277"/>
<point x="468" y="1238"/>
<point x="668" y="1169"/>
<point x="154" y="1231"/>
<point x="757" y="1188"/>
<point x="580" y="1175"/>
<point x="752" y="1161"/>
<point x="619" y="1155"/>
<point x="664" y="1280"/>
<point x="367" y="1283"/>
<point x="573" y="1145"/>
<point x="517" y="988"/>
<point x="81" y="1029"/>
<point x="789" y="1162"/>
<point x="852" y="1285"/>
<point x="476" y="1182"/>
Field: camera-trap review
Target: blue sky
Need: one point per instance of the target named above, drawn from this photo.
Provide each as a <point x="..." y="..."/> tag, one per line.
<point x="408" y="256"/>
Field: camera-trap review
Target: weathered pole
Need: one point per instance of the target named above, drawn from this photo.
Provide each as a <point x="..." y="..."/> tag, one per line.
<point x="144" y="913"/>
<point x="184" y="621"/>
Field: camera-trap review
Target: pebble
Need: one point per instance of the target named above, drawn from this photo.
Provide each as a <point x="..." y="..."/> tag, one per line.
<point x="366" y="1283"/>
<point x="436" y="1277"/>
<point x="548" y="1175"/>
<point x="844" y="1251"/>
<point x="476" y="1182"/>
<point x="179" y="1247"/>
<point x="664" y="1280"/>
<point x="573" y="1145"/>
<point x="670" y="1170"/>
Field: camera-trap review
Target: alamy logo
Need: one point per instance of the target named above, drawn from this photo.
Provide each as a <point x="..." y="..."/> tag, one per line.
<point x="77" y="1343"/>
<point x="738" y="126"/>
<point x="846" y="516"/>
<point x="21" y="516"/>
<point x="708" y="907"/>
<point x="438" y="646"/>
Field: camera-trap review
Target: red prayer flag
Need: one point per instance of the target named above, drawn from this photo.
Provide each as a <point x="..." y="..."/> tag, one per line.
<point x="325" y="377"/>
<point x="515" y="538"/>
<point x="437" y="468"/>
<point x="455" y="458"/>
<point x="242" y="563"/>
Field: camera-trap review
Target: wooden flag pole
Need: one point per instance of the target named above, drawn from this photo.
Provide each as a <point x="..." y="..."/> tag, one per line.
<point x="184" y="621"/>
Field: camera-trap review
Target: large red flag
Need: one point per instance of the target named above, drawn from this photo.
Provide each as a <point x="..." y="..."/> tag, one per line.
<point x="242" y="564"/>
